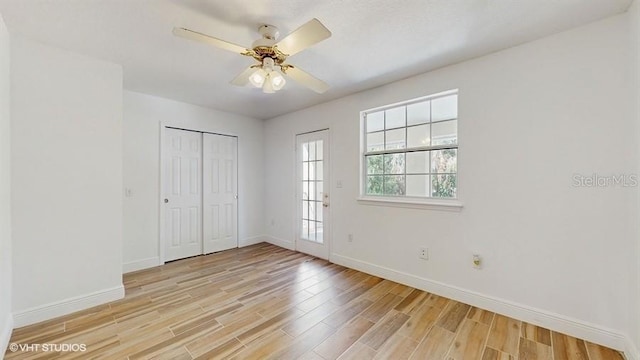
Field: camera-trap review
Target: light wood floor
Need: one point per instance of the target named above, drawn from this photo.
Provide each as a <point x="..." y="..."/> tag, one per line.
<point x="263" y="302"/>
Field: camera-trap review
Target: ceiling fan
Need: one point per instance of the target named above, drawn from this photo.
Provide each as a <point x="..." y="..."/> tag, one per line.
<point x="271" y="55"/>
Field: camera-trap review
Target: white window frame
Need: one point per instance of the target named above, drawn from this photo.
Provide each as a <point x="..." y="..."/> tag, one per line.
<point x="453" y="204"/>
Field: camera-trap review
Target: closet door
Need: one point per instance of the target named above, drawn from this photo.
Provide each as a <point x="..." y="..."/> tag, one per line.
<point x="220" y="189"/>
<point x="182" y="194"/>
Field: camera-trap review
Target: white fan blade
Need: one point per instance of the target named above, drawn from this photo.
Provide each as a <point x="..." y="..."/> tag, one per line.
<point x="194" y="35"/>
<point x="307" y="80"/>
<point x="306" y="35"/>
<point x="243" y="78"/>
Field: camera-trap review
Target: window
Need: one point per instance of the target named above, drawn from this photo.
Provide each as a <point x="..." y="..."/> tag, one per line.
<point x="410" y="149"/>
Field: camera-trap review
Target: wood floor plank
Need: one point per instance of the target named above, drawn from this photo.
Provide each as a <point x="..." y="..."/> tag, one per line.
<point x="434" y="345"/>
<point x="398" y="348"/>
<point x="358" y="351"/>
<point x="493" y="354"/>
<point x="420" y="322"/>
<point x="531" y="350"/>
<point x="339" y="342"/>
<point x="384" y="329"/>
<point x="469" y="342"/>
<point x="310" y="319"/>
<point x="412" y="301"/>
<point x="597" y="352"/>
<point x="481" y="316"/>
<point x="535" y="333"/>
<point x="345" y="314"/>
<point x="453" y="316"/>
<point x="305" y="342"/>
<point x="504" y="335"/>
<point x="568" y="348"/>
<point x="267" y="302"/>
<point x="263" y="347"/>
<point x="381" y="307"/>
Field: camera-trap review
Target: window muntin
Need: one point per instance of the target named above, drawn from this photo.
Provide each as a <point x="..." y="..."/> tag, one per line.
<point x="411" y="149"/>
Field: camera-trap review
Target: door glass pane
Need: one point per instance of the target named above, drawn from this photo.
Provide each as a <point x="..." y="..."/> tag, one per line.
<point x="312" y="190"/>
<point x="395" y="139"/>
<point x="375" y="141"/>
<point x="394" y="118"/>
<point x="418" y="185"/>
<point x="305" y="209"/>
<point x="444" y="108"/>
<point x="305" y="152"/>
<point x="312" y="150"/>
<point x="444" y="133"/>
<point x="305" y="171"/>
<point x="312" y="210"/>
<point x="419" y="113"/>
<point x="418" y="136"/>
<point x="305" y="190"/>
<point x="312" y="170"/>
<point x="375" y="121"/>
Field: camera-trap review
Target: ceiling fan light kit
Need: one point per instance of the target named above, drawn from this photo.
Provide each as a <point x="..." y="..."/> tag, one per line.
<point x="271" y="55"/>
<point x="267" y="77"/>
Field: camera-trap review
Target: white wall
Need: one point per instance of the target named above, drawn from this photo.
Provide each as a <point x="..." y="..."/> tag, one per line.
<point x="6" y="320"/>
<point x="66" y="157"/>
<point x="142" y="117"/>
<point x="530" y="118"/>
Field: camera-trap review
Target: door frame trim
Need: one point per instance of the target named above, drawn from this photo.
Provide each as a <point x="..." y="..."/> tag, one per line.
<point x="295" y="190"/>
<point x="161" y="212"/>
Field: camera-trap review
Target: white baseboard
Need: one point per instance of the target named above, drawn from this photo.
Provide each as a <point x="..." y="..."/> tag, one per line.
<point x="631" y="351"/>
<point x="252" y="240"/>
<point x="67" y="306"/>
<point x="280" y="242"/>
<point x="5" y="336"/>
<point x="140" y="264"/>
<point x="556" y="322"/>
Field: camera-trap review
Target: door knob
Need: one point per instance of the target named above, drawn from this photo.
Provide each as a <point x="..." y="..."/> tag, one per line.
<point x="166" y="201"/>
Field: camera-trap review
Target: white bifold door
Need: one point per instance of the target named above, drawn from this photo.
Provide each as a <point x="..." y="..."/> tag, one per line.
<point x="219" y="192"/>
<point x="200" y="193"/>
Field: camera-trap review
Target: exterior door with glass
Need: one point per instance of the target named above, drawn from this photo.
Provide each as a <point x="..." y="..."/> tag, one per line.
<point x="312" y="194"/>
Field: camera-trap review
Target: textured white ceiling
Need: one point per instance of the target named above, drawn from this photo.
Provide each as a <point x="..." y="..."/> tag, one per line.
<point x="374" y="41"/>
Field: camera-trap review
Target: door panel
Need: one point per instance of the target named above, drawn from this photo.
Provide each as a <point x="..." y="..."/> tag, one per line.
<point x="220" y="161"/>
<point x="183" y="195"/>
<point x="312" y="162"/>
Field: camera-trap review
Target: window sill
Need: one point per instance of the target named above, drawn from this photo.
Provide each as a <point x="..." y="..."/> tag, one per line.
<point x="426" y="204"/>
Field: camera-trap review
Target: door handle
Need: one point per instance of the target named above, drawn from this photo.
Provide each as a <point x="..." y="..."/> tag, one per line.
<point x="325" y="200"/>
<point x="166" y="201"/>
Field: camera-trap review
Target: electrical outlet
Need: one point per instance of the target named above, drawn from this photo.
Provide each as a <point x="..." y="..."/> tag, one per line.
<point x="423" y="253"/>
<point x="350" y="238"/>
